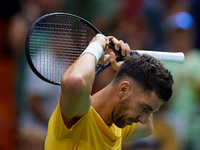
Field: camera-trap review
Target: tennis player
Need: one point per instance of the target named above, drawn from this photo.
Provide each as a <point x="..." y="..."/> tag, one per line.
<point x="120" y="112"/>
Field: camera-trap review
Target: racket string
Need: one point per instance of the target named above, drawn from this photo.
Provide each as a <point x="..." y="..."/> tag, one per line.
<point x="56" y="43"/>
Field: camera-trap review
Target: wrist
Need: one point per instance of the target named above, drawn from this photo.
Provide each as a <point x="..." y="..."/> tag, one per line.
<point x="95" y="49"/>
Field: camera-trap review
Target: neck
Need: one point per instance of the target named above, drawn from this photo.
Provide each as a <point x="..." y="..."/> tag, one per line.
<point x="102" y="102"/>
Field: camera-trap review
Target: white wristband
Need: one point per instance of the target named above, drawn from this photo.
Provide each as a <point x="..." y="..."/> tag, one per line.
<point x="95" y="49"/>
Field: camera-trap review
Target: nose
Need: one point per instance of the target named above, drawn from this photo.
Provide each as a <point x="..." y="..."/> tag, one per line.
<point x="143" y="118"/>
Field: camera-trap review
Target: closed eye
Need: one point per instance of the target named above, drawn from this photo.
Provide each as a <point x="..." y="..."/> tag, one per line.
<point x="145" y="109"/>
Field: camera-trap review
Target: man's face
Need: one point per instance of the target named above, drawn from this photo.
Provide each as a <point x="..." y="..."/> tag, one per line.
<point x="135" y="108"/>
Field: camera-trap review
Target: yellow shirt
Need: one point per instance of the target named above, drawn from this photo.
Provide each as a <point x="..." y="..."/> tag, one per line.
<point x="88" y="133"/>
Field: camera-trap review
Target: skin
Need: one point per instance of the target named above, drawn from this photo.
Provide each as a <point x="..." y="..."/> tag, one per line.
<point x="123" y="103"/>
<point x="130" y="105"/>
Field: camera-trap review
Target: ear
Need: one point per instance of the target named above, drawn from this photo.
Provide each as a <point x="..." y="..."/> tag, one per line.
<point x="124" y="88"/>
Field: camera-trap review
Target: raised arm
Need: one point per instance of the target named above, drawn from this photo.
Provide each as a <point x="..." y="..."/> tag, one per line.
<point x="76" y="84"/>
<point x="142" y="130"/>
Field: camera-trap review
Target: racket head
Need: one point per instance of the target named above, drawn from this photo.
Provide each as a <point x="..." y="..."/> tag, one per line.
<point x="54" y="42"/>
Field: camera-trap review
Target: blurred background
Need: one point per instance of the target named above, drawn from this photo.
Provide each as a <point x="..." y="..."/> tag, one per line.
<point x="26" y="102"/>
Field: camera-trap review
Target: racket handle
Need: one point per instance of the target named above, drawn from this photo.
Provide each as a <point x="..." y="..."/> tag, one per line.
<point x="174" y="57"/>
<point x="111" y="45"/>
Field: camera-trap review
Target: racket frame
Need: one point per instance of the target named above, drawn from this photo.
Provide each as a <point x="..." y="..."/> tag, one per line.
<point x="27" y="50"/>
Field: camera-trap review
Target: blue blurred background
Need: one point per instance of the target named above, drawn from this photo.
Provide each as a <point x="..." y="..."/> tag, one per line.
<point x="26" y="102"/>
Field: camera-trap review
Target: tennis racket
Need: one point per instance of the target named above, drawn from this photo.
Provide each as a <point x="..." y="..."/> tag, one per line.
<point x="56" y="40"/>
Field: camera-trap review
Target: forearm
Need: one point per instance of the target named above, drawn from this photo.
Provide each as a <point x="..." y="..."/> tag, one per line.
<point x="77" y="81"/>
<point x="148" y="127"/>
<point x="142" y="130"/>
<point x="84" y="67"/>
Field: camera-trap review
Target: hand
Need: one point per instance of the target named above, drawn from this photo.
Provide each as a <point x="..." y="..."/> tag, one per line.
<point x="102" y="40"/>
<point x="125" y="51"/>
<point x="119" y="44"/>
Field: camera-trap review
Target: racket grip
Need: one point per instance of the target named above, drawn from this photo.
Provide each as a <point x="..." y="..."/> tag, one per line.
<point x="111" y="45"/>
<point x="174" y="57"/>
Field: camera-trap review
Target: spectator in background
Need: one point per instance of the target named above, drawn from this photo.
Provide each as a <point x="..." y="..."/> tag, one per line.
<point x="195" y="11"/>
<point x="20" y="24"/>
<point x="101" y="13"/>
<point x="183" y="110"/>
<point x="40" y="100"/>
<point x="136" y="28"/>
<point x="33" y="115"/>
<point x="8" y="112"/>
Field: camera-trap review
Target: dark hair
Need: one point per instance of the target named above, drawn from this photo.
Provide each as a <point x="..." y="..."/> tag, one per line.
<point x="147" y="72"/>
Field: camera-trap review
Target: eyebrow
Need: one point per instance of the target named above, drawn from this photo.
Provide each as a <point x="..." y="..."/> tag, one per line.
<point x="149" y="107"/>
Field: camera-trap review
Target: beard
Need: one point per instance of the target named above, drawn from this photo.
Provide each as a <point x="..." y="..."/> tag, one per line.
<point x="120" y="122"/>
<point x="118" y="113"/>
